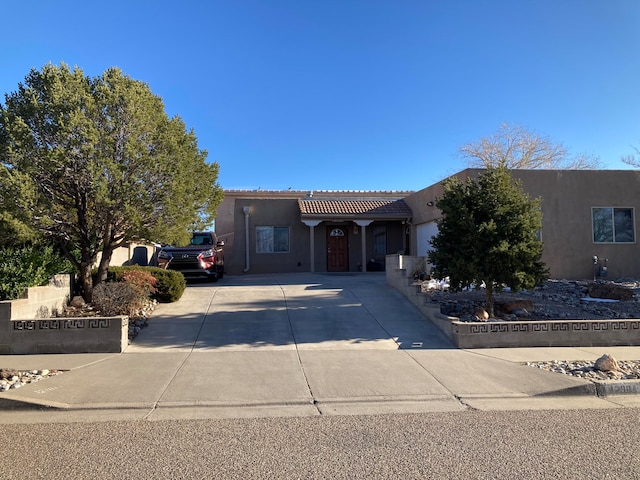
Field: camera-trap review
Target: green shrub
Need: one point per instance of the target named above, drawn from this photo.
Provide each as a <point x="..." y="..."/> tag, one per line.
<point x="28" y="266"/>
<point x="170" y="285"/>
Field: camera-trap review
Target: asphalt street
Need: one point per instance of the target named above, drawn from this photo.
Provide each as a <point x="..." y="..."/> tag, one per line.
<point x="587" y="444"/>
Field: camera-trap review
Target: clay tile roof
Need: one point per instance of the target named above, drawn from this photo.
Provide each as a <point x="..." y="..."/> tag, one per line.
<point x="376" y="207"/>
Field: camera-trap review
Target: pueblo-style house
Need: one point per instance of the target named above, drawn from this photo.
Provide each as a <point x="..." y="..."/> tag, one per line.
<point x="589" y="222"/>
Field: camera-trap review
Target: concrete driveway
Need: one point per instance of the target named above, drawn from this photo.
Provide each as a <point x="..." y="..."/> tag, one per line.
<point x="297" y="344"/>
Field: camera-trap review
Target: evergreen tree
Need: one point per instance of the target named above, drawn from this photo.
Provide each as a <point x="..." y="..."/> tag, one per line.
<point x="488" y="235"/>
<point x="94" y="163"/>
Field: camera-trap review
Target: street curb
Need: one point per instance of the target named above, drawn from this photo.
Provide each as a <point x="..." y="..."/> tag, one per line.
<point x="588" y="389"/>
<point x="608" y="388"/>
<point x="19" y="404"/>
<point x="598" y="388"/>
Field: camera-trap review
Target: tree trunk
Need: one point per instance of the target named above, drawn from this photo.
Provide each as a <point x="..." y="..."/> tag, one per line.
<point x="105" y="261"/>
<point x="87" y="260"/>
<point x="86" y="281"/>
<point x="489" y="298"/>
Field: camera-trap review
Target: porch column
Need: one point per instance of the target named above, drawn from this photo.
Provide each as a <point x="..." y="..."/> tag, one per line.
<point x="312" y="224"/>
<point x="363" y="224"/>
<point x="246" y="211"/>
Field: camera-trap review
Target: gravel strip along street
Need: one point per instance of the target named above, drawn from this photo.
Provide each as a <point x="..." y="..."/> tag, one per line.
<point x="627" y="370"/>
<point x="12" y="379"/>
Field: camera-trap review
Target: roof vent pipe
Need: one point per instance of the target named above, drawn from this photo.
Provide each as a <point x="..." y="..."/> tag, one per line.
<point x="246" y="211"/>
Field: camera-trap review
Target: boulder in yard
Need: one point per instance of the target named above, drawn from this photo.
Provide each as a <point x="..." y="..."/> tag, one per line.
<point x="609" y="291"/>
<point x="514" y="305"/>
<point x="606" y="363"/>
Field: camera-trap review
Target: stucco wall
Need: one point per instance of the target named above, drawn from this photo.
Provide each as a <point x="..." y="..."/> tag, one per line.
<point x="281" y="209"/>
<point x="567" y="199"/>
<point x="132" y="254"/>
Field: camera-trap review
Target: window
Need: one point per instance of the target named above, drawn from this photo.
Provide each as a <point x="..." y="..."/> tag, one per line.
<point x="613" y="225"/>
<point x="379" y="242"/>
<point x="272" y="239"/>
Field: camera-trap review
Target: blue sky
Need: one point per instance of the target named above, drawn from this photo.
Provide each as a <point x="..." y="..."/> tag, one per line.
<point x="353" y="94"/>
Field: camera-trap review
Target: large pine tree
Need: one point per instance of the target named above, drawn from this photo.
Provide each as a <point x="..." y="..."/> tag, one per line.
<point x="94" y="163"/>
<point x="488" y="235"/>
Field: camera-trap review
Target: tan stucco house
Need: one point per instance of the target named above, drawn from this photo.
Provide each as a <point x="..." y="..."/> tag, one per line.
<point x="586" y="213"/>
<point x="303" y="231"/>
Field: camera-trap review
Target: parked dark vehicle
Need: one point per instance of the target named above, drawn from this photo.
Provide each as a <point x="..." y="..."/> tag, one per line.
<point x="203" y="257"/>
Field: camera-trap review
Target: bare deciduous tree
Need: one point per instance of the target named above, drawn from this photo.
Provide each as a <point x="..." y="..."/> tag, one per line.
<point x="632" y="159"/>
<point x="514" y="146"/>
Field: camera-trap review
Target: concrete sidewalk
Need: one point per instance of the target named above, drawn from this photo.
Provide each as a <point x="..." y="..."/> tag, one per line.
<point x="298" y="345"/>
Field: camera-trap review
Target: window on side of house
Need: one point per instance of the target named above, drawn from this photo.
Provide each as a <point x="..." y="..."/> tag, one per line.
<point x="613" y="225"/>
<point x="272" y="239"/>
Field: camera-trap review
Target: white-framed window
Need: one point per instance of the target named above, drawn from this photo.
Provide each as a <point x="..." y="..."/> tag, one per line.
<point x="613" y="225"/>
<point x="272" y="239"/>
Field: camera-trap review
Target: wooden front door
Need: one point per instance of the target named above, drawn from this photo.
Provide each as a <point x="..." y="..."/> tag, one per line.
<point x="337" y="249"/>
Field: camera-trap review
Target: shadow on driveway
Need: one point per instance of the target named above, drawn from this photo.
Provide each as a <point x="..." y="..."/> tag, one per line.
<point x="289" y="311"/>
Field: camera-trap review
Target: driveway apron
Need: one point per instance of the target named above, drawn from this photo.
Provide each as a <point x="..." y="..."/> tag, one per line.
<point x="295" y="339"/>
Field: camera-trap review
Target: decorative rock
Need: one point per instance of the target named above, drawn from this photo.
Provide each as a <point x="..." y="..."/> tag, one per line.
<point x="481" y="314"/>
<point x="627" y="369"/>
<point x="606" y="363"/>
<point x="610" y="291"/>
<point x="77" y="302"/>
<point x="511" y="307"/>
<point x="12" y="379"/>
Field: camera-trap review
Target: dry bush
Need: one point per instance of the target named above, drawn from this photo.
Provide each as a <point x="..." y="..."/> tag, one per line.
<point x="115" y="298"/>
<point x="141" y="281"/>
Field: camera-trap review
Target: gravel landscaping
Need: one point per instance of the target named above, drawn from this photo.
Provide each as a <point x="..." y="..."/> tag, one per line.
<point x="553" y="300"/>
<point x="13" y="379"/>
<point x="627" y="370"/>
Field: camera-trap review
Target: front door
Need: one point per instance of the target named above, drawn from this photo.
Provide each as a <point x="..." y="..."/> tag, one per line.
<point x="337" y="249"/>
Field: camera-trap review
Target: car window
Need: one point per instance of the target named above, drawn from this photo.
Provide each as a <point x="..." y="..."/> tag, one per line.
<point x="201" y="240"/>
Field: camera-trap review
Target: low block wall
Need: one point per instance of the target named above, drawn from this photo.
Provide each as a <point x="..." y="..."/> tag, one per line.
<point x="39" y="302"/>
<point x="548" y="333"/>
<point x="66" y="335"/>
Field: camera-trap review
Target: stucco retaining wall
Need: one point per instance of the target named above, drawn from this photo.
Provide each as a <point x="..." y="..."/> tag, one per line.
<point x="26" y="326"/>
<point x="65" y="335"/>
<point x="548" y="333"/>
<point x="39" y="302"/>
